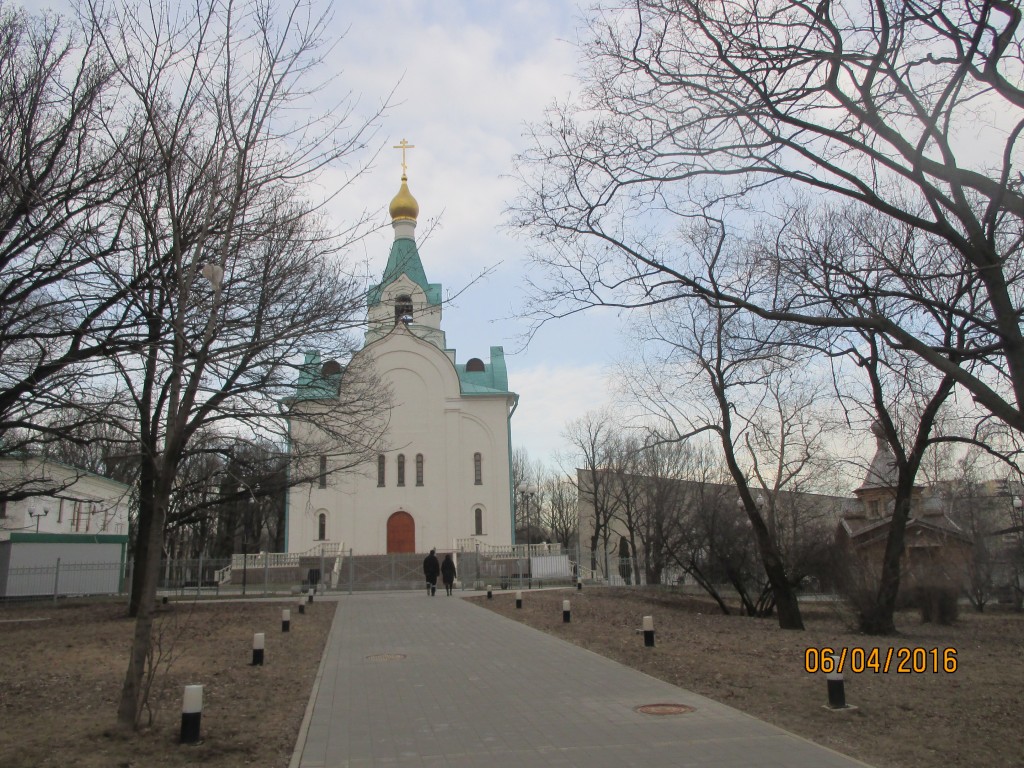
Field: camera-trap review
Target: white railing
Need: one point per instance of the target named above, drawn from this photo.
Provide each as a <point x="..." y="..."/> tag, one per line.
<point x="508" y="550"/>
<point x="284" y="559"/>
<point x="277" y="559"/>
<point x="587" y="574"/>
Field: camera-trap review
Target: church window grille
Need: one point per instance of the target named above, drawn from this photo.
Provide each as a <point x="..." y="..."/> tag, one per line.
<point x="478" y="469"/>
<point x="419" y="469"/>
<point x="322" y="532"/>
<point x="478" y="521"/>
<point x="401" y="469"/>
<point x="381" y="463"/>
<point x="323" y="472"/>
<point x="403" y="309"/>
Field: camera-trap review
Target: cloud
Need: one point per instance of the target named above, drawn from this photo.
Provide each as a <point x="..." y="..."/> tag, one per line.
<point x="549" y="398"/>
<point x="468" y="76"/>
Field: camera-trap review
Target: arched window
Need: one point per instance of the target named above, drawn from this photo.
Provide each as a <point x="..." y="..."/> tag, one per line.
<point x="401" y="469"/>
<point x="381" y="463"/>
<point x="322" y="532"/>
<point x="419" y="469"/>
<point x="323" y="471"/>
<point x="478" y="469"/>
<point x="403" y="309"/>
<point x="478" y="521"/>
<point x="475" y="364"/>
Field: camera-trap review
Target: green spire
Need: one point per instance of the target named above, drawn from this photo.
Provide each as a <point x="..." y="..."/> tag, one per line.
<point x="405" y="260"/>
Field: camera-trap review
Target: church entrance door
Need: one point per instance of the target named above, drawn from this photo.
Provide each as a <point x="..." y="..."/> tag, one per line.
<point x="401" y="533"/>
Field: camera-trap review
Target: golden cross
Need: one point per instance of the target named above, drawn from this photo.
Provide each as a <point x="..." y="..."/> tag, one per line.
<point x="404" y="145"/>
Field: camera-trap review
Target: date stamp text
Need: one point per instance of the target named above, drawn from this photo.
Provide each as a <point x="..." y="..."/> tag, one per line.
<point x="857" y="659"/>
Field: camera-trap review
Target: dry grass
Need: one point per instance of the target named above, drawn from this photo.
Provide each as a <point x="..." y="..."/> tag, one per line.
<point x="62" y="667"/>
<point x="968" y="718"/>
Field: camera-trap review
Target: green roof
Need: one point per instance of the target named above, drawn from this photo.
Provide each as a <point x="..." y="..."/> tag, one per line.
<point x="312" y="383"/>
<point x="405" y="260"/>
<point x="492" y="380"/>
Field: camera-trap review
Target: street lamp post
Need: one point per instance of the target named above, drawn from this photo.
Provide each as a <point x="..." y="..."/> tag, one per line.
<point x="33" y="514"/>
<point x="528" y="491"/>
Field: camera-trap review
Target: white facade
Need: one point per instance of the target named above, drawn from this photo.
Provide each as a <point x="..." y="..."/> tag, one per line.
<point x="445" y="474"/>
<point x="55" y="514"/>
<point x="60" y="500"/>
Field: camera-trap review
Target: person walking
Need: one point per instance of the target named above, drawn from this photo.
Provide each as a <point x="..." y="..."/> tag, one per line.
<point x="431" y="570"/>
<point x="448" y="573"/>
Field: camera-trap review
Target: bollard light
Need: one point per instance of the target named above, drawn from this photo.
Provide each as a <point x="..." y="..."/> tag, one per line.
<point x="836" y="691"/>
<point x="286" y="620"/>
<point x="565" y="611"/>
<point x="489" y="592"/>
<point x="309" y="598"/>
<point x="302" y="606"/>
<point x="191" y="714"/>
<point x="257" y="649"/>
<point x="519" y="599"/>
<point x="648" y="631"/>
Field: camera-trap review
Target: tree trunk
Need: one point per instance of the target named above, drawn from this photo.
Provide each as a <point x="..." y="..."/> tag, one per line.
<point x="878" y="619"/>
<point x="143" y="539"/>
<point x="708" y="587"/>
<point x="734" y="578"/>
<point x="132" y="692"/>
<point x="785" y="595"/>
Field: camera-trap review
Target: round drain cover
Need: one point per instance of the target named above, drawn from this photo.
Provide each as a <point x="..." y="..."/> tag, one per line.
<point x="386" y="657"/>
<point x="664" y="709"/>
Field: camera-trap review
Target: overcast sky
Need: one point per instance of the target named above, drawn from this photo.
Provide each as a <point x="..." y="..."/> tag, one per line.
<point x="469" y="76"/>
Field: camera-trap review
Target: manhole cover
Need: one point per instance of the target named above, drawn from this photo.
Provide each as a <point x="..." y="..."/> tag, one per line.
<point x="386" y="657"/>
<point x="664" y="709"/>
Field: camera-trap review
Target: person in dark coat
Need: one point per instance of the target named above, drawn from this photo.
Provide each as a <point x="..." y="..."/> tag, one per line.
<point x="431" y="570"/>
<point x="448" y="573"/>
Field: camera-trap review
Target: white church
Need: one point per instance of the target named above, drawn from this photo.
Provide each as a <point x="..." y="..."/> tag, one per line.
<point x="445" y="479"/>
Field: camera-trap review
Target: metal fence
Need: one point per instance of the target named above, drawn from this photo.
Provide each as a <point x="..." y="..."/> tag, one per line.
<point x="343" y="572"/>
<point x="176" y="577"/>
<point x="64" y="579"/>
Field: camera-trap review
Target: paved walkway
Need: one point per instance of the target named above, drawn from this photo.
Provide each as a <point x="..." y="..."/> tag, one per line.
<point x="408" y="680"/>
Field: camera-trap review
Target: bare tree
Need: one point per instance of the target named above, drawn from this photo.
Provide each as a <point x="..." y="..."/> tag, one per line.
<point x="716" y="545"/>
<point x="664" y="467"/>
<point x="592" y="440"/>
<point x="561" y="513"/>
<point x="733" y="117"/>
<point x="530" y="492"/>
<point x="980" y="513"/>
<point x="61" y="163"/>
<point x="717" y="371"/>
<point x="626" y="489"/>
<point x="240" y="273"/>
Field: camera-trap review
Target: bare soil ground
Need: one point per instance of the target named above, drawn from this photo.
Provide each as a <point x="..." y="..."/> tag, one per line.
<point x="970" y="717"/>
<point x="61" y="668"/>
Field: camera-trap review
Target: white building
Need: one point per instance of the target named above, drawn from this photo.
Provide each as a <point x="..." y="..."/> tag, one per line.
<point x="59" y="513"/>
<point x="446" y="474"/>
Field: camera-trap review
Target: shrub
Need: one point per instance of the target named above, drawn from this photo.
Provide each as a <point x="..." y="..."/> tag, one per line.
<point x="937" y="603"/>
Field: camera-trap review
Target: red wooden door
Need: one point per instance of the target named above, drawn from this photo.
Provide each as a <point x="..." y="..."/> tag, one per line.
<point x="401" y="533"/>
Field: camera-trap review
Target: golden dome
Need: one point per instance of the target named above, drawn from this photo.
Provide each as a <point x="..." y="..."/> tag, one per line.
<point x="404" y="205"/>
